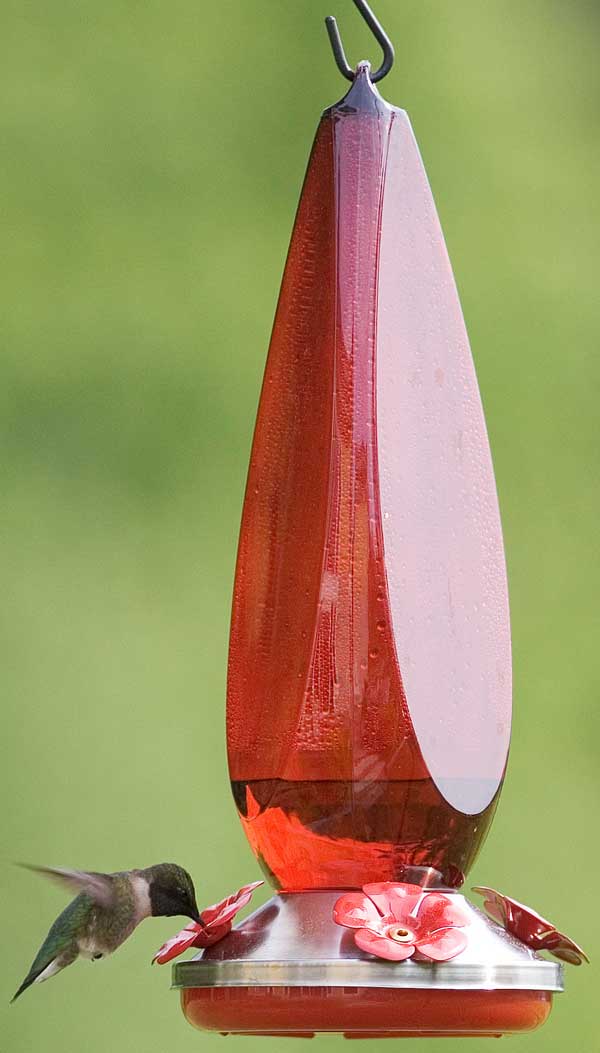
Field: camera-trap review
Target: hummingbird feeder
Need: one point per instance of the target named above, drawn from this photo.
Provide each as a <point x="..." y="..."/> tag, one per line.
<point x="369" y="687"/>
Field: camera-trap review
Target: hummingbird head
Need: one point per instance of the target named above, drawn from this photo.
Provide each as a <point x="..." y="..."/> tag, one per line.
<point x="171" y="892"/>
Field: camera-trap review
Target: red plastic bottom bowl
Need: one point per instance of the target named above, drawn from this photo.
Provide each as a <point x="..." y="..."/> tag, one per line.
<point x="364" y="1012"/>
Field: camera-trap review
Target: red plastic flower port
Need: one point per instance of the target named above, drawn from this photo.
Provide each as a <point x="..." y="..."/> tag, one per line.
<point x="529" y="927"/>
<point x="396" y="920"/>
<point x="216" y="923"/>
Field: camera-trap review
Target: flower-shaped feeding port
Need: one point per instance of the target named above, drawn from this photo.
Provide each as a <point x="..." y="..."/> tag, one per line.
<point x="395" y="921"/>
<point x="215" y="923"/>
<point x="529" y="927"/>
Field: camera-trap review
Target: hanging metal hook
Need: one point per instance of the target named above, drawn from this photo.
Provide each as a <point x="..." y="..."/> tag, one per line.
<point x="380" y="34"/>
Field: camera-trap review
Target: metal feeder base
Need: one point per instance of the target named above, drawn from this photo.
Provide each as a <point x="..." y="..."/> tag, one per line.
<point x="289" y="970"/>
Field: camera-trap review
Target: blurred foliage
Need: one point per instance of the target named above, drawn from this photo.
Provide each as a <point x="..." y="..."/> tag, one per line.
<point x="151" y="162"/>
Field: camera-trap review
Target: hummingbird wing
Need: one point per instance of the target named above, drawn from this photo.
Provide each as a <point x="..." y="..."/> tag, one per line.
<point x="60" y="948"/>
<point x="99" y="887"/>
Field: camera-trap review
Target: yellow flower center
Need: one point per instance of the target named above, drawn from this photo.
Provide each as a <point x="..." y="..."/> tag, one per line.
<point x="400" y="935"/>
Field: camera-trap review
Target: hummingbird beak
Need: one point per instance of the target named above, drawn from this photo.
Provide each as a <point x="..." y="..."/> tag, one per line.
<point x="195" y="914"/>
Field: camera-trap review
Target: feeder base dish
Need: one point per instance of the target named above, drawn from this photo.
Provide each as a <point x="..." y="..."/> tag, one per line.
<point x="288" y="969"/>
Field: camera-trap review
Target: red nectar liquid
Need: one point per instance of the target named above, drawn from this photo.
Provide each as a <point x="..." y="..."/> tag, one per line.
<point x="369" y="669"/>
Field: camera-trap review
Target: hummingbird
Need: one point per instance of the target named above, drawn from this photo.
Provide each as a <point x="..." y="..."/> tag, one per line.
<point x="105" y="911"/>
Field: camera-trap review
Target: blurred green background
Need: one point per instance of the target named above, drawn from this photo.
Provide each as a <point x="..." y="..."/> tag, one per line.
<point x="152" y="156"/>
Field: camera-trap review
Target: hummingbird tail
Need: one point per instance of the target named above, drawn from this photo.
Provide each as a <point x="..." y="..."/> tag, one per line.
<point x="27" y="982"/>
<point x="43" y="968"/>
